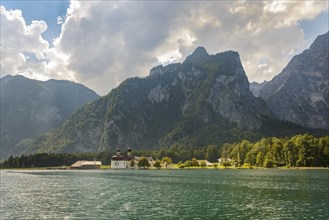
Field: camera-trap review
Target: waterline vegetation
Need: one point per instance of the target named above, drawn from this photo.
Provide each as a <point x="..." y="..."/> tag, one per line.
<point x="297" y="151"/>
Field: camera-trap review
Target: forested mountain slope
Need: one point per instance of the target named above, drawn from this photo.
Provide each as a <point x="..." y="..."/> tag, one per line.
<point x="204" y="100"/>
<point x="31" y="107"/>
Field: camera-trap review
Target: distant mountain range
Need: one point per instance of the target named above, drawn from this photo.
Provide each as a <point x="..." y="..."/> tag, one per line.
<point x="300" y="93"/>
<point x="31" y="107"/>
<point x="204" y="100"/>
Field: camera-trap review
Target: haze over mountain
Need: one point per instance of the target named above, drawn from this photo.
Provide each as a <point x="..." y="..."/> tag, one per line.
<point x="300" y="93"/>
<point x="204" y="100"/>
<point x="31" y="107"/>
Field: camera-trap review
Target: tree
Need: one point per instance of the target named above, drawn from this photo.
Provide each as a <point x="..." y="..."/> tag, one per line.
<point x="166" y="161"/>
<point x="161" y="153"/>
<point x="260" y="159"/>
<point x="157" y="164"/>
<point x="225" y="150"/>
<point x="289" y="150"/>
<point x="132" y="163"/>
<point x="194" y="162"/>
<point x="277" y="150"/>
<point x="268" y="161"/>
<point x="226" y="164"/>
<point x="212" y="153"/>
<point x="324" y="146"/>
<point x="244" y="148"/>
<point x="180" y="165"/>
<point x="143" y="162"/>
<point x="302" y="153"/>
<point x="188" y="163"/>
<point x="250" y="158"/>
<point x="203" y="164"/>
<point x="198" y="153"/>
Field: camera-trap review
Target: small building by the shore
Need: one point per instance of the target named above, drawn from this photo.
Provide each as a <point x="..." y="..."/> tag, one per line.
<point x="206" y="162"/>
<point x="222" y="160"/>
<point x="84" y="164"/>
<point x="121" y="162"/>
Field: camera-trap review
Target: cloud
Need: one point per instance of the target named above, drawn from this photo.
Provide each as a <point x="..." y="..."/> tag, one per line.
<point x="169" y="57"/>
<point x="104" y="42"/>
<point x="24" y="50"/>
<point x="17" y="38"/>
<point x="108" y="42"/>
<point x="60" y="20"/>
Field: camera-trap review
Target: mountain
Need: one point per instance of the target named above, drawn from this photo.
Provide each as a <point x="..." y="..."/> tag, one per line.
<point x="256" y="87"/>
<point x="300" y="93"/>
<point x="204" y="100"/>
<point x="30" y="107"/>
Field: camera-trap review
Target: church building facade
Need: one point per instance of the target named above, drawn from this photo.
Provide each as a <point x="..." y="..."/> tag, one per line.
<point x="121" y="162"/>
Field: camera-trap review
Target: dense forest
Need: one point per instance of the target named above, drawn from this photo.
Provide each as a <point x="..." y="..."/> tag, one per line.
<point x="53" y="160"/>
<point x="297" y="151"/>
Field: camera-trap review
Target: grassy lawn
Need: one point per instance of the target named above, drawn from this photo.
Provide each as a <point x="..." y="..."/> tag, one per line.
<point x="105" y="167"/>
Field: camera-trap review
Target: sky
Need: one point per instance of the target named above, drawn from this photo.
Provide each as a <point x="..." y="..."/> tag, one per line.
<point x="101" y="43"/>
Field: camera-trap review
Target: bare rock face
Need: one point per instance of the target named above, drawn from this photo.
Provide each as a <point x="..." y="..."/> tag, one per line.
<point x="300" y="93"/>
<point x="256" y="87"/>
<point x="227" y="87"/>
<point x="158" y="94"/>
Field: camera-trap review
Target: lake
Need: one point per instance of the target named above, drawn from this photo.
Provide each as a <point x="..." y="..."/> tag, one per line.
<point x="165" y="194"/>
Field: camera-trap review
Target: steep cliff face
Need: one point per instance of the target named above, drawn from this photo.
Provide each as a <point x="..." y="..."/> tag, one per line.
<point x="226" y="91"/>
<point x="300" y="93"/>
<point x="31" y="107"/>
<point x="204" y="100"/>
<point x="256" y="87"/>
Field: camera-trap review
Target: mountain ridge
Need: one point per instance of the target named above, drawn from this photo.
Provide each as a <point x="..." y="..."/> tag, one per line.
<point x="300" y="93"/>
<point x="204" y="100"/>
<point x="30" y="107"/>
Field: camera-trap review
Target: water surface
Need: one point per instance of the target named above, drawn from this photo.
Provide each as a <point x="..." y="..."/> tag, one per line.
<point x="165" y="194"/>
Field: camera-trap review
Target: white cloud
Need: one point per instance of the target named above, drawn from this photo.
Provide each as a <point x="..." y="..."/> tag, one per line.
<point x="18" y="38"/>
<point x="24" y="51"/>
<point x="288" y="13"/>
<point x="169" y="57"/>
<point x="276" y="6"/>
<point x="104" y="42"/>
<point x="60" y="20"/>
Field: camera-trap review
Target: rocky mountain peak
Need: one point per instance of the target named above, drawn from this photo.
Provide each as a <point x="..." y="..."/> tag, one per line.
<point x="199" y="55"/>
<point x="200" y="51"/>
<point x="300" y="92"/>
<point x="320" y="42"/>
<point x="156" y="70"/>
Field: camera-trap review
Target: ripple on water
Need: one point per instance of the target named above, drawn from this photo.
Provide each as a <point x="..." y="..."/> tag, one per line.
<point x="171" y="194"/>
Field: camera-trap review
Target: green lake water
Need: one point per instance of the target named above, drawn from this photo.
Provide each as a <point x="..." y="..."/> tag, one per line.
<point x="165" y="194"/>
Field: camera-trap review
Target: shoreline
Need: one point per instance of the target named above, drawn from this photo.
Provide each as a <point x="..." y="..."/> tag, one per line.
<point x="106" y="167"/>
